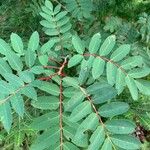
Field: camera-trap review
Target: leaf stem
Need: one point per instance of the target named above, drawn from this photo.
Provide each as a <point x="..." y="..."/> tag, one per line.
<point x="108" y="60"/>
<point x="60" y="114"/>
<point x="11" y="95"/>
<point x="98" y="115"/>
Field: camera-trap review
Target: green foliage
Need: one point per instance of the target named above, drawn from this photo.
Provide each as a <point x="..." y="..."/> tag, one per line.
<point x="76" y="87"/>
<point x="79" y="9"/>
<point x="56" y="24"/>
<point x="144" y="23"/>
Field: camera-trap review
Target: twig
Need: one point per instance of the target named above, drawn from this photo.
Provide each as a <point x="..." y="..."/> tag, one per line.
<point x="55" y="61"/>
<point x="50" y="67"/>
<point x="60" y="114"/>
<point x="98" y="115"/>
<point x="108" y="60"/>
<point x="48" y="78"/>
<point x="14" y="93"/>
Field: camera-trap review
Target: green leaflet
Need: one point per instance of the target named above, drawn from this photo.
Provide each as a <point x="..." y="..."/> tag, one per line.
<point x="107" y="45"/>
<point x="33" y="43"/>
<point x="4" y="67"/>
<point x="52" y="32"/>
<point x="14" y="61"/>
<point x="30" y="92"/>
<point x="97" y="87"/>
<point x="16" y="43"/>
<point x="6" y="88"/>
<point x="45" y="121"/>
<point x="61" y="15"/>
<point x="13" y="80"/>
<point x="120" y="53"/>
<point x="43" y="59"/>
<point x="71" y="82"/>
<point x="143" y="86"/>
<point x="47" y="46"/>
<point x="98" y="68"/>
<point x="17" y="104"/>
<point x="113" y="109"/>
<point x="139" y="72"/>
<point x="95" y="43"/>
<point x="63" y="21"/>
<point x="4" y="47"/>
<point x="50" y="88"/>
<point x="107" y="145"/>
<point x="120" y="80"/>
<point x="46" y="102"/>
<point x="132" y="62"/>
<point x="26" y="76"/>
<point x="77" y="43"/>
<point x="84" y="72"/>
<point x="120" y="126"/>
<point x="46" y="23"/>
<point x="57" y="9"/>
<point x="37" y="70"/>
<point x="30" y="58"/>
<point x="49" y="5"/>
<point x="132" y="87"/>
<point x="6" y="116"/>
<point x="75" y="100"/>
<point x="69" y="146"/>
<point x="76" y="59"/>
<point x="111" y="71"/>
<point x="97" y="139"/>
<point x="46" y="16"/>
<point x="81" y="140"/>
<point x="101" y="92"/>
<point x="90" y="62"/>
<point x="80" y="111"/>
<point x="126" y="142"/>
<point x="69" y="132"/>
<point x="48" y="138"/>
<point x="69" y="92"/>
<point x="90" y="123"/>
<point x="69" y="129"/>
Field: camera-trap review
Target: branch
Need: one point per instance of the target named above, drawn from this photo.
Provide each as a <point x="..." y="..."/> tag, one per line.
<point x="108" y="60"/>
<point x="13" y="94"/>
<point x="97" y="113"/>
<point x="60" y="114"/>
<point x="61" y="102"/>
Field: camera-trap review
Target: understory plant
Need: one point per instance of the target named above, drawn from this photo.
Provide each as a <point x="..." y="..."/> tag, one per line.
<point x="67" y="91"/>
